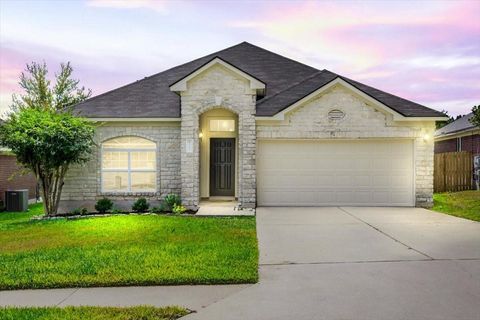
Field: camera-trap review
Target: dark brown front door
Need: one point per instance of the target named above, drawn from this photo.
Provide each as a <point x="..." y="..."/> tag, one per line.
<point x="222" y="167"/>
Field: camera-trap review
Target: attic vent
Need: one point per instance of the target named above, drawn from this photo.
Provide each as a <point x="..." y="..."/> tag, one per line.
<point x="336" y="114"/>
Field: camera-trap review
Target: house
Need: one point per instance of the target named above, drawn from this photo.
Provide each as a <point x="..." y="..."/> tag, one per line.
<point x="459" y="135"/>
<point x="12" y="177"/>
<point x="248" y="124"/>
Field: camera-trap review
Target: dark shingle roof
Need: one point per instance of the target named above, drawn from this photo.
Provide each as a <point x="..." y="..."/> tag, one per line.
<point x="287" y="81"/>
<point x="461" y="124"/>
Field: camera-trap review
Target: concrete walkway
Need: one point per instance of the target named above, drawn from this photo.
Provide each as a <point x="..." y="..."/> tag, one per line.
<point x="222" y="209"/>
<point x="328" y="263"/>
<point x="191" y="297"/>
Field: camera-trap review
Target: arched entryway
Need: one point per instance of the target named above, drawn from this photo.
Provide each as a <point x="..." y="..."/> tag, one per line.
<point x="218" y="133"/>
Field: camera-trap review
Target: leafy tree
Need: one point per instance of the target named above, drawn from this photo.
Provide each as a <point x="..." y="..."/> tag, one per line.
<point x="441" y="124"/>
<point x="44" y="134"/>
<point x="39" y="94"/>
<point x="476" y="116"/>
<point x="48" y="142"/>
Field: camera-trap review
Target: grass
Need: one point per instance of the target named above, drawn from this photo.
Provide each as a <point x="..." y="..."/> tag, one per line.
<point x="125" y="250"/>
<point x="465" y="204"/>
<point x="92" y="313"/>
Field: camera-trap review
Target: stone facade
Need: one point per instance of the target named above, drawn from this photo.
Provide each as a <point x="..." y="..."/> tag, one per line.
<point x="218" y="87"/>
<point x="361" y="121"/>
<point x="178" y="154"/>
<point x="83" y="183"/>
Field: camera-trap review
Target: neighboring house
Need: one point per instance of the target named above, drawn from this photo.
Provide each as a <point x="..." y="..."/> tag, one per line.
<point x="11" y="177"/>
<point x="249" y="124"/>
<point x="459" y="135"/>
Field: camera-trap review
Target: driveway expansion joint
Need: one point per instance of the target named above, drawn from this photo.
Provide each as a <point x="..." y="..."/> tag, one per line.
<point x="348" y="262"/>
<point x="67" y="297"/>
<point x="386" y="234"/>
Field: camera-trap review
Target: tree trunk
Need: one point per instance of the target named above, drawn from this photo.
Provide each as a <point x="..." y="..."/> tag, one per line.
<point x="52" y="185"/>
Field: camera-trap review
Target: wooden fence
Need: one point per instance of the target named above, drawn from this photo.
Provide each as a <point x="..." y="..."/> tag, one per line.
<point x="453" y="171"/>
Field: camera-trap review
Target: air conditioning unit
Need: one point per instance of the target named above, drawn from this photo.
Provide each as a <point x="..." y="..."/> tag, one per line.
<point x="476" y="162"/>
<point x="16" y="200"/>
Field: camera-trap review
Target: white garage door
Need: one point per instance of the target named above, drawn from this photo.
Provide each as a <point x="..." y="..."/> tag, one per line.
<point x="331" y="173"/>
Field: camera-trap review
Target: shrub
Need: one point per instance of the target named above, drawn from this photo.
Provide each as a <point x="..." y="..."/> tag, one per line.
<point x="104" y="205"/>
<point x="76" y="212"/>
<point x="160" y="209"/>
<point x="172" y="199"/>
<point x="79" y="212"/>
<point x="116" y="211"/>
<point x="141" y="205"/>
<point x="178" y="209"/>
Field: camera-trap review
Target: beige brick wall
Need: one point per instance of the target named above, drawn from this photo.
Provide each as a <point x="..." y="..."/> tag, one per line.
<point x="82" y="185"/>
<point x="361" y="120"/>
<point x="218" y="87"/>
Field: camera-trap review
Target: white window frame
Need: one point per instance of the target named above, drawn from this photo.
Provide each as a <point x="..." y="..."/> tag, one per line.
<point x="129" y="168"/>
<point x="221" y="119"/>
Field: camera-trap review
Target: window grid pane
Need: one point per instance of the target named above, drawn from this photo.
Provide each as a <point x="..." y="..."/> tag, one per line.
<point x="115" y="181"/>
<point x="138" y="167"/>
<point x="143" y="181"/>
<point x="142" y="160"/>
<point x="222" y="125"/>
<point x="129" y="143"/>
<point x="115" y="160"/>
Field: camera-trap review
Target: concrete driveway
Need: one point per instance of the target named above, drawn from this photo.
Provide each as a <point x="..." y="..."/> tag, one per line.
<point x="360" y="263"/>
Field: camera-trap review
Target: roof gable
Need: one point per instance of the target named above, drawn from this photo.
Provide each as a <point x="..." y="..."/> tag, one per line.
<point x="327" y="82"/>
<point x="275" y="105"/>
<point x="181" y="84"/>
<point x="286" y="81"/>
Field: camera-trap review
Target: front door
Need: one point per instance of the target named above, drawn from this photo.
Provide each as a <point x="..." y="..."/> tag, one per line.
<point x="222" y="167"/>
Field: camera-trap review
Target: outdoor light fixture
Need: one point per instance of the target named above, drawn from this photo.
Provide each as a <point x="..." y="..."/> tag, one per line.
<point x="426" y="137"/>
<point x="200" y="134"/>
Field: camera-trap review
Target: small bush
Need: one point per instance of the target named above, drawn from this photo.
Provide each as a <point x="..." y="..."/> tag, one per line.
<point x="172" y="199"/>
<point x="79" y="212"/>
<point x="76" y="212"/>
<point x="141" y="205"/>
<point x="162" y="208"/>
<point x="178" y="209"/>
<point x="104" y="205"/>
<point x="116" y="211"/>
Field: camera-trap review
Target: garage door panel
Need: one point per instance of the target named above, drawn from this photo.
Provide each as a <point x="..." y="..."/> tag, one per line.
<point x="309" y="173"/>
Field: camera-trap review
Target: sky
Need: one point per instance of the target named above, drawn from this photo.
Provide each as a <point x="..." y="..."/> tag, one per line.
<point x="425" y="51"/>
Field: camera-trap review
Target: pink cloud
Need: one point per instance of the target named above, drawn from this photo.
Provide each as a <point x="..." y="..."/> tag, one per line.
<point x="156" y="5"/>
<point x="94" y="75"/>
<point x="424" y="51"/>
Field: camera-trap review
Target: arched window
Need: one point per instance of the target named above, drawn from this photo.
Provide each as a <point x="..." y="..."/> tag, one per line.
<point x="129" y="165"/>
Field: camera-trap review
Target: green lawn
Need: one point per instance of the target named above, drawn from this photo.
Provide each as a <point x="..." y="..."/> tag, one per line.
<point x="465" y="204"/>
<point x="125" y="250"/>
<point x="92" y="313"/>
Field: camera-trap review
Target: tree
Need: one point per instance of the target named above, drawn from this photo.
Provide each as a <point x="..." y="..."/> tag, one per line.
<point x="440" y="124"/>
<point x="475" y="120"/>
<point x="40" y="95"/>
<point x="43" y="132"/>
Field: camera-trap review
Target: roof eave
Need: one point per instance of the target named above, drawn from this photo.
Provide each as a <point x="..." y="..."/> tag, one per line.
<point x="280" y="116"/>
